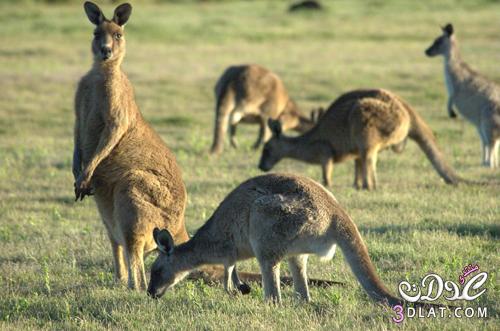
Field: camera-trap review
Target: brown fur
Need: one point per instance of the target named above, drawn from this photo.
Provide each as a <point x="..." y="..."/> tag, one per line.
<point x="357" y="126"/>
<point x="253" y="94"/>
<point x="137" y="182"/>
<point x="118" y="157"/>
<point x="270" y="217"/>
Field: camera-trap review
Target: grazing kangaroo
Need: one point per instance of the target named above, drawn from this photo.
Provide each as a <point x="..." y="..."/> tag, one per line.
<point x="270" y="217"/>
<point x="357" y="126"/>
<point x="253" y="94"/>
<point x="475" y="97"/>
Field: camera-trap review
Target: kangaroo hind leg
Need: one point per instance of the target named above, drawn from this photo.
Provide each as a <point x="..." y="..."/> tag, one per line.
<point x="369" y="168"/>
<point x="493" y="157"/>
<point x="232" y="135"/>
<point x="133" y="226"/>
<point x="270" y="279"/>
<point x="298" y="268"/>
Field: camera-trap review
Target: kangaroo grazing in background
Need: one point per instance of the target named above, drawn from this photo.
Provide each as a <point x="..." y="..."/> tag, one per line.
<point x="270" y="217"/>
<point x="305" y="5"/>
<point x="357" y="125"/>
<point x="475" y="97"/>
<point x="253" y="94"/>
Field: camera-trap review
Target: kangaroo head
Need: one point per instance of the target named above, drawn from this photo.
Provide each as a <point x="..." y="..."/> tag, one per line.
<point x="164" y="272"/>
<point x="108" y="44"/>
<point x="442" y="44"/>
<point x="273" y="150"/>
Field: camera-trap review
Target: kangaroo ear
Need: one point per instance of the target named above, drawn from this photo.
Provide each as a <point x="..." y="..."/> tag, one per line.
<point x="448" y="29"/>
<point x="122" y="14"/>
<point x="275" y="126"/>
<point x="316" y="114"/>
<point x="163" y="240"/>
<point x="93" y="12"/>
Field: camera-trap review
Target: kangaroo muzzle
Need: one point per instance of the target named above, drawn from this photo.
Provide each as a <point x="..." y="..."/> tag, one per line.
<point x="154" y="293"/>
<point x="264" y="167"/>
<point x="106" y="52"/>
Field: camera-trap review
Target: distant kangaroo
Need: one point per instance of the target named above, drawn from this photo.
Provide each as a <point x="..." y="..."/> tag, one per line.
<point x="253" y="94"/>
<point x="270" y="217"/>
<point x="357" y="126"/>
<point x="475" y="97"/>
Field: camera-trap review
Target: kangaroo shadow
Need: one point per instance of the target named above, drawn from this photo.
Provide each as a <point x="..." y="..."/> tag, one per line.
<point x="492" y="230"/>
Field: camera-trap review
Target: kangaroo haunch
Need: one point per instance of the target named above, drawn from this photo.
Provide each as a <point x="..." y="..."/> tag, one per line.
<point x="357" y="126"/>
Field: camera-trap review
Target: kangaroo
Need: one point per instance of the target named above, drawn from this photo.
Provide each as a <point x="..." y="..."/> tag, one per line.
<point x="121" y="160"/>
<point x="252" y="94"/>
<point x="475" y="97"/>
<point x="305" y="5"/>
<point x="357" y="125"/>
<point x="270" y="217"/>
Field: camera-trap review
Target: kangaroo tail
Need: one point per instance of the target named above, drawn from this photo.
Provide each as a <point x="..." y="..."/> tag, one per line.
<point x="423" y="136"/>
<point x="356" y="254"/>
<point x="357" y="257"/>
<point x="224" y="104"/>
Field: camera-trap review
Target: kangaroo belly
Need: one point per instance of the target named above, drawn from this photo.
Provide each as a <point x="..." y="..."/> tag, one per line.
<point x="470" y="106"/>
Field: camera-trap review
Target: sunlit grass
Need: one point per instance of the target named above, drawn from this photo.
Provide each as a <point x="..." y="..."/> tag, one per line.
<point x="55" y="261"/>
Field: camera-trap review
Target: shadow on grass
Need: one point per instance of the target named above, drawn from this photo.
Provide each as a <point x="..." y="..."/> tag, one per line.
<point x="492" y="230"/>
<point x="179" y="121"/>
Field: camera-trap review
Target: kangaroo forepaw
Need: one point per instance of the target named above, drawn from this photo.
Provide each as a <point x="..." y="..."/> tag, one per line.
<point x="244" y="288"/>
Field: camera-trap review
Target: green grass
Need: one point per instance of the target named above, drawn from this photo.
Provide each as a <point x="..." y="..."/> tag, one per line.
<point x="55" y="259"/>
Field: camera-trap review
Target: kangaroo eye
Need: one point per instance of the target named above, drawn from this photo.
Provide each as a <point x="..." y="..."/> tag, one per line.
<point x="118" y="36"/>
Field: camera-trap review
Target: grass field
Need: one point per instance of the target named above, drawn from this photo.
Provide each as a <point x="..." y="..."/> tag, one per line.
<point x="55" y="260"/>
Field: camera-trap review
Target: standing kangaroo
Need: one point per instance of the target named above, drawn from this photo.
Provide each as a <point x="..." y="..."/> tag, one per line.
<point x="270" y="217"/>
<point x="253" y="94"/>
<point x="117" y="155"/>
<point x="475" y="97"/>
<point x="357" y="126"/>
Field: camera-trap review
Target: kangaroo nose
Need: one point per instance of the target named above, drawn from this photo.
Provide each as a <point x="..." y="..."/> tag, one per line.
<point x="152" y="294"/>
<point x="106" y="52"/>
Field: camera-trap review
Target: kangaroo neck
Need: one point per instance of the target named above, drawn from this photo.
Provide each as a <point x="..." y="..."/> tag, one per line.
<point x="199" y="250"/>
<point x="114" y="81"/>
<point x="453" y="71"/>
<point x="111" y="71"/>
<point x="299" y="148"/>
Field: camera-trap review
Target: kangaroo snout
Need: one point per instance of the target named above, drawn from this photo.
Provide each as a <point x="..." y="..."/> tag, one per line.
<point x="153" y="294"/>
<point x="106" y="52"/>
<point x="264" y="167"/>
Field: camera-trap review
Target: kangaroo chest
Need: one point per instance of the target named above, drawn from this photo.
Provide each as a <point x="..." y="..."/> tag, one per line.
<point x="464" y="96"/>
<point x="448" y="81"/>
